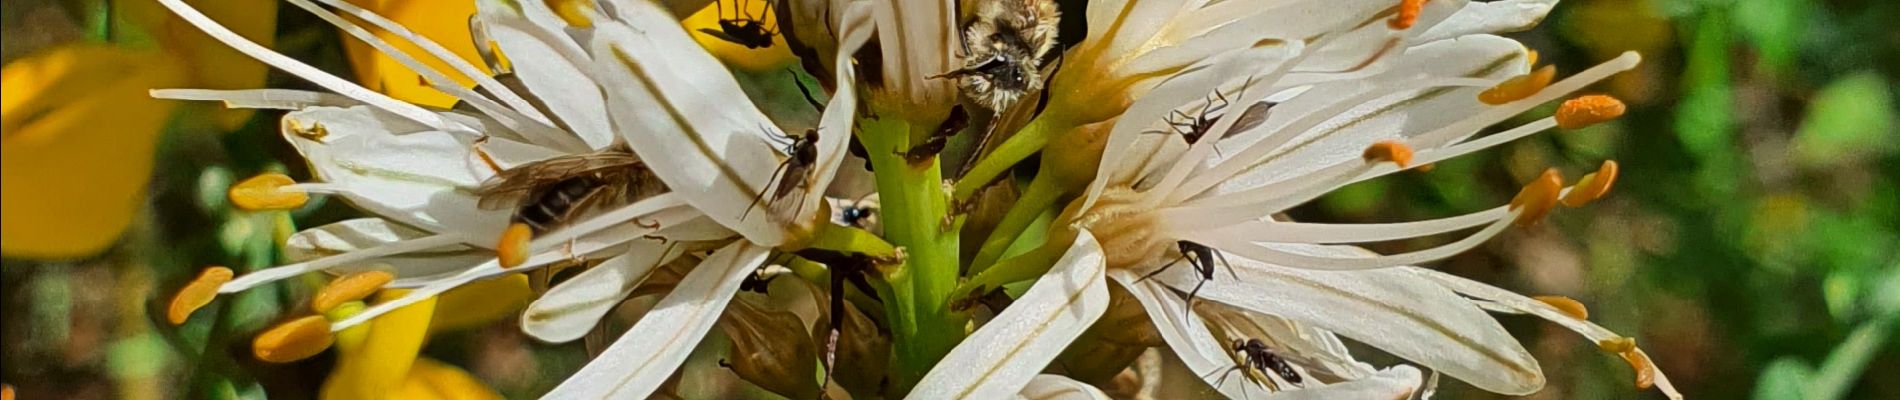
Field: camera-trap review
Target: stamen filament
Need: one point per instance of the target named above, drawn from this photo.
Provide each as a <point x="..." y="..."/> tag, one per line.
<point x="273" y="274"/>
<point x="1324" y="233"/>
<point x="1269" y="255"/>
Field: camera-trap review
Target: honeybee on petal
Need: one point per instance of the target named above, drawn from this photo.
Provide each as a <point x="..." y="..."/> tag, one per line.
<point x="1004" y="42"/>
<point x="548" y="194"/>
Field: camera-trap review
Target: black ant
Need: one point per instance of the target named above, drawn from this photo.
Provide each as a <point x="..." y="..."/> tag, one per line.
<point x="1255" y="356"/>
<point x="1193" y="127"/>
<point x="790" y="174"/>
<point x="744" y="28"/>
<point x="1202" y="258"/>
<point x="853" y="267"/>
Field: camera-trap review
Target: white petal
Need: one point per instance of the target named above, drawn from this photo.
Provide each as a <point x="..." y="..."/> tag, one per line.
<point x="1490" y="17"/>
<point x="274" y="99"/>
<point x="568" y="311"/>
<point x="1187" y="335"/>
<point x="411" y="268"/>
<point x="546" y="66"/>
<point x="689" y="120"/>
<point x="1058" y="387"/>
<point x="1390" y="309"/>
<point x="397" y="169"/>
<point x="919" y="39"/>
<point x="647" y="354"/>
<point x="1003" y="355"/>
<point x="1318" y="350"/>
<point x="835" y="125"/>
<point x="1398" y="382"/>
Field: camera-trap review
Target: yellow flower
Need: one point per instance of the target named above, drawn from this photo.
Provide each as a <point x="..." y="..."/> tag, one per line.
<point x="379" y="359"/>
<point x="77" y="145"/>
<point x="80" y="128"/>
<point x="445" y="22"/>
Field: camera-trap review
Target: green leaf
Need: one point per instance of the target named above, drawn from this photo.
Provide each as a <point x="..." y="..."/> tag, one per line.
<point x="1784" y="379"/>
<point x="1849" y="120"/>
<point x="1775" y="27"/>
<point x="1704" y="122"/>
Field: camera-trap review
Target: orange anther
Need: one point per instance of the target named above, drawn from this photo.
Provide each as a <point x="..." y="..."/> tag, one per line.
<point x="1426" y="168"/>
<point x="266" y="192"/>
<point x="1530" y="57"/>
<point x="197" y="294"/>
<point x="1408" y="14"/>
<point x="573" y="11"/>
<point x="1618" y="344"/>
<point x="1588" y="110"/>
<point x="1389" y="150"/>
<point x="1645" y="371"/>
<point x="1537" y="198"/>
<point x="1592" y="186"/>
<point x="349" y="288"/>
<point x="512" y="249"/>
<point x="1567" y="305"/>
<point x="295" y="340"/>
<point x="1519" y="87"/>
<point x="6" y="392"/>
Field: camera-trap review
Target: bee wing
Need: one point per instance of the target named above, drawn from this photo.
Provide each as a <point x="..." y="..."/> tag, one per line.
<point x="508" y="187"/>
<point x="1252" y="117"/>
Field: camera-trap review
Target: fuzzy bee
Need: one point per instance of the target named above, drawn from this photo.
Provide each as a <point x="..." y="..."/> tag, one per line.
<point x="1004" y="42"/>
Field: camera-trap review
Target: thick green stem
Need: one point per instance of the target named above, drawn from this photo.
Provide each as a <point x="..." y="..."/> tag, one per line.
<point x="1042" y="194"/>
<point x="923" y="328"/>
<point x="1031" y="139"/>
<point x="1024" y="267"/>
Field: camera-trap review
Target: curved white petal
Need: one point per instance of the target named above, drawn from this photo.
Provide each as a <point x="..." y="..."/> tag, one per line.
<point x="1489" y="17"/>
<point x="834" y="126"/>
<point x="544" y="62"/>
<point x="274" y="99"/>
<point x="395" y="168"/>
<point x="1319" y="351"/>
<point x="1058" y="387"/>
<point x="1390" y="309"/>
<point x="1003" y="355"/>
<point x="571" y="309"/>
<point x="648" y="353"/>
<point x="1187" y="336"/>
<point x="1398" y="382"/>
<point x="411" y="268"/>
<point x="689" y="120"/>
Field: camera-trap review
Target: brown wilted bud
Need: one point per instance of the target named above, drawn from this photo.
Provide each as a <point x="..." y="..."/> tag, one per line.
<point x="767" y="353"/>
<point x="863" y="353"/>
<point x="1108" y="347"/>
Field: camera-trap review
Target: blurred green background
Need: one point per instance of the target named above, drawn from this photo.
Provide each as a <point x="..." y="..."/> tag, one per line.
<point x="1752" y="245"/>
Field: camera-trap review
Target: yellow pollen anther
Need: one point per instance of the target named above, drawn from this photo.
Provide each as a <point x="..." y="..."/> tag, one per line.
<point x="197" y="294"/>
<point x="1617" y="345"/>
<point x="1567" y="305"/>
<point x="1389" y="150"/>
<point x="1537" y="198"/>
<point x="512" y="249"/>
<point x="1588" y="110"/>
<point x="349" y="288"/>
<point x="1592" y="186"/>
<point x="266" y="192"/>
<point x="1530" y="58"/>
<point x="1519" y="87"/>
<point x="573" y="11"/>
<point x="1408" y="14"/>
<point x="295" y="340"/>
<point x="6" y="392"/>
<point x="1645" y="372"/>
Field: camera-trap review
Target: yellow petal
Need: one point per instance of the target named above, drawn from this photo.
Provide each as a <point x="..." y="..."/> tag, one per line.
<point x="481" y="303"/>
<point x="445" y="22"/>
<point x="738" y="56"/>
<point x="375" y="367"/>
<point x="76" y="145"/>
<point x="433" y="380"/>
<point x="214" y="65"/>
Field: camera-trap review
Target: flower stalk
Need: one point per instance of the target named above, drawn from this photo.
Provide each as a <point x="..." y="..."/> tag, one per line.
<point x="922" y="326"/>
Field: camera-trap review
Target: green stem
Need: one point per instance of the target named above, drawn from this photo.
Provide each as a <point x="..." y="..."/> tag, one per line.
<point x="1028" y="141"/>
<point x="1024" y="267"/>
<point x="911" y="195"/>
<point x="1042" y="194"/>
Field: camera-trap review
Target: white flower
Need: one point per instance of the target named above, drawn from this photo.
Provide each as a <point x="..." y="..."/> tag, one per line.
<point x="1155" y="193"/>
<point x="607" y="74"/>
